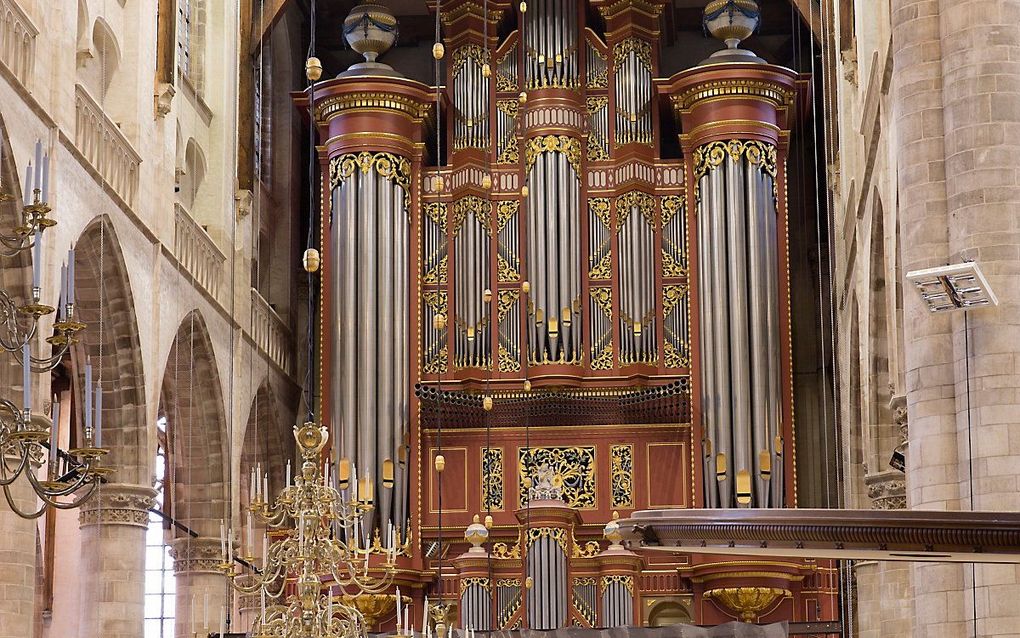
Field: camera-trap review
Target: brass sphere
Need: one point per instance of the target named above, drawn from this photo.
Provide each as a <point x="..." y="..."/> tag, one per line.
<point x="524" y="191"/>
<point x="524" y="7"/>
<point x="527" y="385"/>
<point x="526" y="287"/>
<point x="523" y="97"/>
<point x="313" y="69"/>
<point x="486" y="182"/>
<point x="529" y="582"/>
<point x="439" y="321"/>
<point x="311" y="260"/>
<point x="440" y="463"/>
<point x="487" y="296"/>
<point x="488" y="521"/>
<point x="438" y="50"/>
<point x="486" y="70"/>
<point x="487" y="404"/>
<point x="440" y="183"/>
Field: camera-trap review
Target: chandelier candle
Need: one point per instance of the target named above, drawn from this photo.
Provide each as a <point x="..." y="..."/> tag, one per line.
<point x="26" y="380"/>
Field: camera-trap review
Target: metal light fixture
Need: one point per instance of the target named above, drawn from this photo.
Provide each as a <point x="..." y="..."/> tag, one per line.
<point x="954" y="287"/>
<point x="316" y="535"/>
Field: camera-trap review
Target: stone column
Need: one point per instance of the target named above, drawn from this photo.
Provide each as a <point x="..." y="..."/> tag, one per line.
<point x="981" y="93"/>
<point x="113" y="525"/>
<point x="199" y="579"/>
<point x="17" y="555"/>
<point x="933" y="470"/>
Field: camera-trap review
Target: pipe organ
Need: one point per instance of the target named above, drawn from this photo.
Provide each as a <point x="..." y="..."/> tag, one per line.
<point x="626" y="312"/>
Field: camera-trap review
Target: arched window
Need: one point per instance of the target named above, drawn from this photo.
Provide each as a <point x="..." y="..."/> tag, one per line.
<point x="159" y="566"/>
<point x="190" y="30"/>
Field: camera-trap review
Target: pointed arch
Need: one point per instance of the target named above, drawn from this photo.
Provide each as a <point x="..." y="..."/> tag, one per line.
<point x="883" y="435"/>
<point x="103" y="301"/>
<point x="15" y="271"/>
<point x="267" y="441"/>
<point x="191" y="401"/>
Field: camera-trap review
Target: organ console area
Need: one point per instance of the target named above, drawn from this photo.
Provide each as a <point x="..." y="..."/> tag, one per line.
<point x="556" y="288"/>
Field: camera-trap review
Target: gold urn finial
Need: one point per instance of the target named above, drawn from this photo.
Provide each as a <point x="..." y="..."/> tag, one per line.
<point x="732" y="21"/>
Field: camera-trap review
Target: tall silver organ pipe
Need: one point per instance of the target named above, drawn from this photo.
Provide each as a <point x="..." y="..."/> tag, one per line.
<point x="633" y="91"/>
<point x="738" y="301"/>
<point x="636" y="212"/>
<point x="476" y="604"/>
<point x="470" y="99"/>
<point x="369" y="235"/>
<point x="550" y="41"/>
<point x="472" y="275"/>
<point x="617" y="601"/>
<point x="553" y="205"/>
<point x="547" y="568"/>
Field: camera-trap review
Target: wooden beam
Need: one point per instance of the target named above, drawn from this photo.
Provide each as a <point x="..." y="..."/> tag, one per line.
<point x="811" y="13"/>
<point x="271" y="11"/>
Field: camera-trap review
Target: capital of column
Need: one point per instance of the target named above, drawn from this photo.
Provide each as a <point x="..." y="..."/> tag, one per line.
<point x="118" y="504"/>
<point x="196" y="555"/>
<point x="887" y="490"/>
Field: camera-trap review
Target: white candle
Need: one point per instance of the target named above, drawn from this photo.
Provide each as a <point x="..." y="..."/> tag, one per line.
<point x="26" y="377"/>
<point x="288" y="473"/>
<point x="223" y="621"/>
<point x="88" y="393"/>
<point x="99" y="415"/>
<point x="265" y="487"/>
<point x="53" y="433"/>
<point x="265" y="552"/>
<point x="38" y="162"/>
<point x="70" y="275"/>
<point x="399" y="610"/>
<point x="63" y="293"/>
<point x="37" y="259"/>
<point x="223" y="540"/>
<point x="407" y="620"/>
<point x="192" y="610"/>
<point x="251" y="536"/>
<point x="46" y="178"/>
<point x="28" y="185"/>
<point x="354" y="482"/>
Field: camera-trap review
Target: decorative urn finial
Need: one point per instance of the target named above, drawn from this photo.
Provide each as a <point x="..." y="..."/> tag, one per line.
<point x="476" y="533"/>
<point x="732" y="21"/>
<point x="370" y="29"/>
<point x="612" y="531"/>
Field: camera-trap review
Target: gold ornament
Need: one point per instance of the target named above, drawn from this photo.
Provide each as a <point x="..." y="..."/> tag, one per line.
<point x="487" y="404"/>
<point x="438" y="50"/>
<point x="486" y="70"/>
<point x="440" y="463"/>
<point x="488" y="521"/>
<point x="313" y="69"/>
<point x="439" y="321"/>
<point x="524" y="7"/>
<point x="523" y="97"/>
<point x="486" y="182"/>
<point x="526" y="287"/>
<point x="487" y="296"/>
<point x="524" y="191"/>
<point x="527" y="385"/>
<point x="439" y="183"/>
<point x="528" y="582"/>
<point x="311" y="260"/>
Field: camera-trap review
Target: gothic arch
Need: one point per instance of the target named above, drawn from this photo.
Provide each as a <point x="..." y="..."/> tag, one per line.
<point x="191" y="400"/>
<point x="103" y="301"/>
<point x="267" y="441"/>
<point x="882" y="435"/>
<point x="15" y="271"/>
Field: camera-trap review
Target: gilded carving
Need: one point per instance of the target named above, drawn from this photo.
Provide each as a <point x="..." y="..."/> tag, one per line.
<point x="507" y="551"/>
<point x="510" y="600"/>
<point x="471" y="205"/>
<point x="676" y="347"/>
<point x="558" y="534"/>
<point x="572" y="469"/>
<point x="622" y="469"/>
<point x="565" y="144"/>
<point x="642" y="202"/>
<point x="473" y="581"/>
<point x="492" y="478"/>
<point x="393" y="167"/>
<point x="674" y="236"/>
<point x="509" y="352"/>
<point x="710" y="156"/>
<point x="603" y="343"/>
<point x="626" y="581"/>
<point x="597" y="147"/>
<point x="436" y="211"/>
<point x="436" y="355"/>
<point x="465" y="53"/>
<point x="640" y="48"/>
<point x="584" y="598"/>
<point x="508" y="151"/>
<point x="590" y="549"/>
<point x="438" y="274"/>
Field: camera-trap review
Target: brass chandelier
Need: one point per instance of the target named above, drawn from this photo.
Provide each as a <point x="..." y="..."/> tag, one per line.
<point x="27" y="439"/>
<point x="315" y="531"/>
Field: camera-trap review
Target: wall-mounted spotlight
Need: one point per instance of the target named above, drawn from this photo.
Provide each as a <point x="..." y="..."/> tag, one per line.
<point x="953" y="287"/>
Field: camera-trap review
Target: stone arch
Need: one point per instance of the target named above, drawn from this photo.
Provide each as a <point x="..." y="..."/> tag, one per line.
<point x="99" y="59"/>
<point x="882" y="436"/>
<point x="103" y="301"/>
<point x="192" y="174"/>
<point x="16" y="270"/>
<point x="191" y="401"/>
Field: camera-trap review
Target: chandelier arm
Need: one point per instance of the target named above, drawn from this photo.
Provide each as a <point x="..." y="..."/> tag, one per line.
<point x="8" y="476"/>
<point x="17" y="510"/>
<point x="43" y="491"/>
<point x="75" y="503"/>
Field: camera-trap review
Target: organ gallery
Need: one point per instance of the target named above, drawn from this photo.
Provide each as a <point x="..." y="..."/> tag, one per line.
<point x="556" y="290"/>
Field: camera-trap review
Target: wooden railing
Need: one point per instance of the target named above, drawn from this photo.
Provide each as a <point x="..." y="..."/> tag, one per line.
<point x="17" y="41"/>
<point x="104" y="146"/>
<point x="198" y="254"/>
<point x="270" y="333"/>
